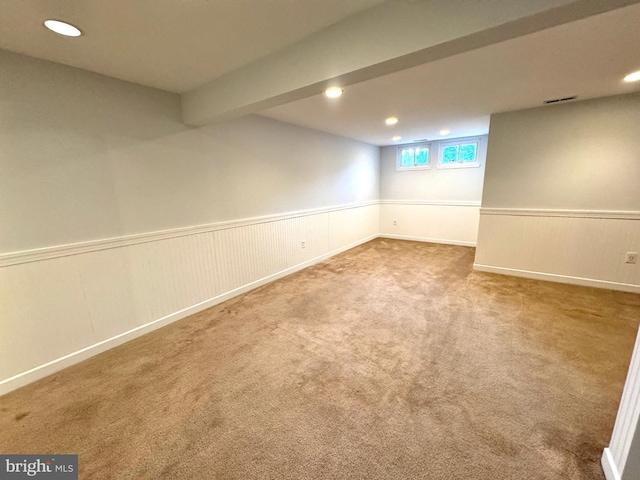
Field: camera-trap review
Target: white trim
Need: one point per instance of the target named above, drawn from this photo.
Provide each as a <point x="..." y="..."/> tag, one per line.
<point x="451" y="203"/>
<point x="532" y="212"/>
<point x="609" y="466"/>
<point x="462" y="243"/>
<point x="628" y="416"/>
<point x="58" y="364"/>
<point x="48" y="253"/>
<point x="552" y="277"/>
<point x="39" y="254"/>
<point x="413" y="169"/>
<point x="449" y="166"/>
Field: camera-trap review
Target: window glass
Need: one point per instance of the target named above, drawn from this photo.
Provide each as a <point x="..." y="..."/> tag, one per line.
<point x="450" y="154"/>
<point x="406" y="157"/>
<point x="468" y="152"/>
<point x="421" y="156"/>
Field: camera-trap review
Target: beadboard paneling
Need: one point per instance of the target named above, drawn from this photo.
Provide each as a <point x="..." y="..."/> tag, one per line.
<point x="346" y="226"/>
<point x="453" y="223"/>
<point x="586" y="248"/>
<point x="43" y="314"/>
<point x="343" y="228"/>
<point x="62" y="305"/>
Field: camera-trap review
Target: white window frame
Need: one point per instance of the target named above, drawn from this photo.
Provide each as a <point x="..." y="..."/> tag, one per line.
<point x="427" y="145"/>
<point x="460" y="141"/>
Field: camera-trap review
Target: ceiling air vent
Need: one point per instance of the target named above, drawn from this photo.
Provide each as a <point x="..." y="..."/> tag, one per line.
<point x="421" y="140"/>
<point x="558" y="100"/>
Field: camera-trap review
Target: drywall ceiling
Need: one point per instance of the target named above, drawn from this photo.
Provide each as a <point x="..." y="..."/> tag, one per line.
<point x="457" y="63"/>
<point x="168" y="44"/>
<point x="587" y="58"/>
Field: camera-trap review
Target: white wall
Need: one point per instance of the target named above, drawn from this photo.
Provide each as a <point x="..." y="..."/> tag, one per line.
<point x="434" y="205"/>
<point x="85" y="157"/>
<point x="574" y="156"/>
<point x="561" y="200"/>
<point x="117" y="219"/>
<point x="632" y="468"/>
<point x="461" y="185"/>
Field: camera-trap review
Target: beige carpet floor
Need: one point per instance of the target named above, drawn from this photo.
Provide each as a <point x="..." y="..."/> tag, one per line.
<point x="393" y="360"/>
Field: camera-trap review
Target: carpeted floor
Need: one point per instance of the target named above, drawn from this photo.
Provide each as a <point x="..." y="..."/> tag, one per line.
<point x="390" y="361"/>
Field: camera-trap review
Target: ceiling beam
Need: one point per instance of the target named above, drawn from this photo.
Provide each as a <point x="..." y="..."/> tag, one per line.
<point x="390" y="37"/>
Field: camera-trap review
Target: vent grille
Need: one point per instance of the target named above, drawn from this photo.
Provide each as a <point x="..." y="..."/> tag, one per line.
<point x="558" y="100"/>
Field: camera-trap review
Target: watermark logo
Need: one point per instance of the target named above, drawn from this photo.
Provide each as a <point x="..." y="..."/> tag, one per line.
<point x="49" y="467"/>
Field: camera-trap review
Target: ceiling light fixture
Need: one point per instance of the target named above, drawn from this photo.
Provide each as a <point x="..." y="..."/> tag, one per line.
<point x="391" y="120"/>
<point x="632" y="77"/>
<point x="333" y="92"/>
<point x="396" y="138"/>
<point x="62" y="28"/>
<point x="445" y="131"/>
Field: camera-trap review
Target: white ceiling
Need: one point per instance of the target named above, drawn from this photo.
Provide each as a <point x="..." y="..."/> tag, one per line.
<point x="175" y="45"/>
<point x="587" y="58"/>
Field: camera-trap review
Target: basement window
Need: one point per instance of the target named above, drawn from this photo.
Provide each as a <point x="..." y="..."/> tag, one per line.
<point x="414" y="157"/>
<point x="459" y="153"/>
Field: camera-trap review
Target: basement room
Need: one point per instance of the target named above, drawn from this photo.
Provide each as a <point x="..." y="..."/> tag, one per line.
<point x="320" y="239"/>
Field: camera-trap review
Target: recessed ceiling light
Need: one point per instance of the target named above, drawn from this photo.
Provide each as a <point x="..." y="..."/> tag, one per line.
<point x="632" y="77"/>
<point x="62" y="28"/>
<point x="391" y="120"/>
<point x="396" y="138"/>
<point x="445" y="131"/>
<point x="333" y="92"/>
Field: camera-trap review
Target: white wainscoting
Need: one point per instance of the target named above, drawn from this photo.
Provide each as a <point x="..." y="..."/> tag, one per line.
<point x="61" y="305"/>
<point x="454" y="223"/>
<point x="568" y="246"/>
<point x="614" y="458"/>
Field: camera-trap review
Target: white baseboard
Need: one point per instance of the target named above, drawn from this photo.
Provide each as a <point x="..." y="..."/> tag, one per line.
<point x="552" y="277"/>
<point x="41" y="371"/>
<point x="58" y="364"/>
<point x="609" y="466"/>
<point x="428" y="240"/>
